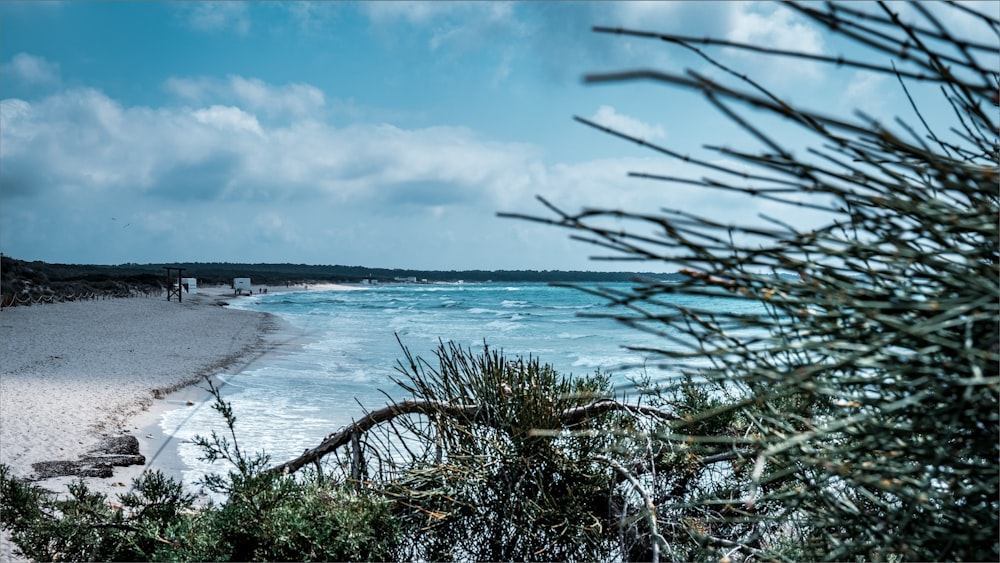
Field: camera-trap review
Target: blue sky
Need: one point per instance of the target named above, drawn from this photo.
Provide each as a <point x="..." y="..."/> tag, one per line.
<point x="379" y="134"/>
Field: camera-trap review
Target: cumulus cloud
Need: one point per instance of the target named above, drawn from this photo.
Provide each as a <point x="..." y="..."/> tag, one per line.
<point x="32" y="70"/>
<point x="213" y="182"/>
<point x="776" y="27"/>
<point x="208" y="180"/>
<point x="224" y="152"/>
<point x="228" y="118"/>
<point x="608" y="117"/>
<point x="289" y="100"/>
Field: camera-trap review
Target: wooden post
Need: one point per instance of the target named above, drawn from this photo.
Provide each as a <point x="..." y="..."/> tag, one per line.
<point x="356" y="459"/>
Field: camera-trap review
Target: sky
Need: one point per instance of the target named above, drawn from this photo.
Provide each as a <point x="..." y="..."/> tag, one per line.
<point x="375" y="134"/>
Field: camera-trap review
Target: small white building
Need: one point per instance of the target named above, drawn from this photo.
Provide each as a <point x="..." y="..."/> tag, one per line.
<point x="190" y="284"/>
<point x="242" y="284"/>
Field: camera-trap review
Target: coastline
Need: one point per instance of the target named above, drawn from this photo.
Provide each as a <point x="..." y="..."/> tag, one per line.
<point x="76" y="373"/>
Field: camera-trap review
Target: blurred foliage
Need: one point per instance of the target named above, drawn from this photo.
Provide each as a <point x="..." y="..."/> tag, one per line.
<point x="866" y="387"/>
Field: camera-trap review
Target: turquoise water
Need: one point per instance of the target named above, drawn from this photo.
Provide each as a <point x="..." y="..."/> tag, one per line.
<point x="290" y="402"/>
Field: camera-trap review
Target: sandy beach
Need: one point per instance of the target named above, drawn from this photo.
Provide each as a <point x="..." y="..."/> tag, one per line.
<point x="73" y="374"/>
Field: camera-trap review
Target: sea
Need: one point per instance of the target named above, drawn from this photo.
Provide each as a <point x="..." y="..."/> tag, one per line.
<point x="344" y="358"/>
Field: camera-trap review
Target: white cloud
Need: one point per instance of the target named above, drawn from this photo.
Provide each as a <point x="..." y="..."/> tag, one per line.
<point x="294" y="100"/>
<point x="218" y="16"/>
<point x="190" y="89"/>
<point x="207" y="153"/>
<point x="502" y="72"/>
<point x="272" y="226"/>
<point x="413" y="13"/>
<point x="227" y="117"/>
<point x="779" y="28"/>
<point x="608" y="117"/>
<point x="649" y="16"/>
<point x="956" y="21"/>
<point x="313" y="17"/>
<point x="776" y="27"/>
<point x="453" y="30"/>
<point x="969" y="26"/>
<point x="215" y="182"/>
<point x="474" y="25"/>
<point x="32" y="69"/>
<point x="868" y="92"/>
<point x="13" y="109"/>
<point x="961" y="25"/>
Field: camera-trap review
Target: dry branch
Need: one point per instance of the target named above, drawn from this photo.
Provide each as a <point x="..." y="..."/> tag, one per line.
<point x="464" y="414"/>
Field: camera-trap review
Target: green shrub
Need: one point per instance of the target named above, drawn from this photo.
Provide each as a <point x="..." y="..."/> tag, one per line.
<point x="266" y="517"/>
<point x="487" y="486"/>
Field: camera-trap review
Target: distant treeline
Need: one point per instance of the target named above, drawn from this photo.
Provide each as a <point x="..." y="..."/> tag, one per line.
<point x="222" y="272"/>
<point x="209" y="273"/>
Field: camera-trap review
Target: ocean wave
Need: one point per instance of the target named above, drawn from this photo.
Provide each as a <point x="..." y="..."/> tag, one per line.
<point x="502" y="326"/>
<point x="606" y="362"/>
<point x="482" y="311"/>
<point x="573" y="336"/>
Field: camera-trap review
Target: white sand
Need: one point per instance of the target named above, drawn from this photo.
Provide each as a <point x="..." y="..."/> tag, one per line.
<point x="72" y="372"/>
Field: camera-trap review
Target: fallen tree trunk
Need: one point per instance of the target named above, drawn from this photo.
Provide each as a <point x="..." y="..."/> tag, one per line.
<point x="372" y="419"/>
<point x="412" y="406"/>
<point x="576" y="414"/>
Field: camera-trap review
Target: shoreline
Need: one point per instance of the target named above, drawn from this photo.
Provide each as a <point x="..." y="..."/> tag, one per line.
<point x="157" y="444"/>
<point x="74" y="373"/>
